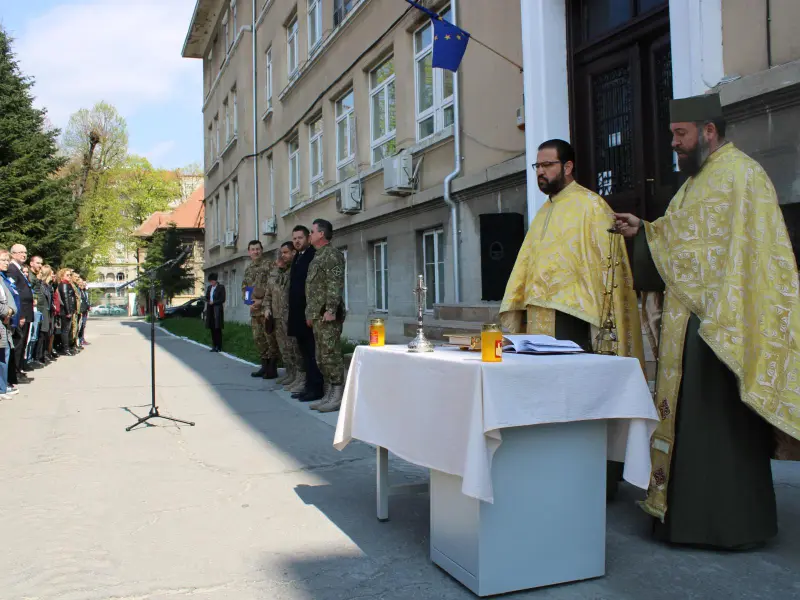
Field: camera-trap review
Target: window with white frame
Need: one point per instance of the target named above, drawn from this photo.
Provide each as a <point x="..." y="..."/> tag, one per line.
<point x="235" y="111"/>
<point x="315" y="158"/>
<point x="291" y="47"/>
<point x="294" y="170"/>
<point x="314" y="24"/>
<point x="235" y="185"/>
<point x="346" y="295"/>
<point x="269" y="77"/>
<point x="216" y="135"/>
<point x="228" y="220"/>
<point x="234" y="298"/>
<point x="210" y="143"/>
<point x="271" y="171"/>
<point x="382" y="111"/>
<point x="226" y="32"/>
<point x="210" y="221"/>
<point x="433" y="266"/>
<point x="345" y="131"/>
<point x="217" y="228"/>
<point x="227" y="110"/>
<point x="340" y="10"/>
<point x="380" y="270"/>
<point x="434" y="87"/>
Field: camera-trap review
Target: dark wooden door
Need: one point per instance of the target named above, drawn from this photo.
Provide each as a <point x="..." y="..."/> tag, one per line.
<point x="661" y="179"/>
<point x="621" y="88"/>
<point x="609" y="125"/>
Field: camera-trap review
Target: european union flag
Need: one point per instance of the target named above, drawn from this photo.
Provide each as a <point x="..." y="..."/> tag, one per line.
<point x="449" y="41"/>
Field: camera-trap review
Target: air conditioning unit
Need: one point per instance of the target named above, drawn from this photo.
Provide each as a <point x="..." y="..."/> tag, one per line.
<point x="348" y="197"/>
<point x="269" y="226"/>
<point x="230" y="239"/>
<point x="521" y="117"/>
<point x="398" y="175"/>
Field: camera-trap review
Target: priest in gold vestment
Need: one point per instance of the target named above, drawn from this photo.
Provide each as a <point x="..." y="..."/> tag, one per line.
<point x="729" y="362"/>
<point x="558" y="283"/>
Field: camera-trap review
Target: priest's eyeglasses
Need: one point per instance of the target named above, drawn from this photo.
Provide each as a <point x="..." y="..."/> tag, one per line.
<point x="546" y="164"/>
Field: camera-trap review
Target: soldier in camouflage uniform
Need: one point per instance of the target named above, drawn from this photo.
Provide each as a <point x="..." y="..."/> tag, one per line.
<point x="276" y="304"/>
<point x="325" y="312"/>
<point x="256" y="276"/>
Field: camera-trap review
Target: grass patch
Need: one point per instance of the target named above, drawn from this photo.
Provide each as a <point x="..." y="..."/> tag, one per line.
<point x="237" y="338"/>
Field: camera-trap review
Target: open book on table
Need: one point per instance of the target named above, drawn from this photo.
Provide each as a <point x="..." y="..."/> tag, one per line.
<point x="539" y="344"/>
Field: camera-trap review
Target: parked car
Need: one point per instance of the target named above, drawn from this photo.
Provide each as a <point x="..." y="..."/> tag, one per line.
<point x="192" y="308"/>
<point x="108" y="310"/>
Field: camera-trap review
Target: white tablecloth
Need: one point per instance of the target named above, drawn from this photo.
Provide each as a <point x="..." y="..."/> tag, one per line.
<point x="445" y="410"/>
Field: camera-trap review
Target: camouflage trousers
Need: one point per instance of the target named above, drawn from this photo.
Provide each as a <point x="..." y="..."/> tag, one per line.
<point x="327" y="339"/>
<point x="290" y="349"/>
<point x="265" y="342"/>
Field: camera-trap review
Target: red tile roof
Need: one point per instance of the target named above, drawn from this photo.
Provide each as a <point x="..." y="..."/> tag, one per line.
<point x="189" y="215"/>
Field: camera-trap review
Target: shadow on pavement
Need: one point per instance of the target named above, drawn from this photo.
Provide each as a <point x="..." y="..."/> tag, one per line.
<point x="394" y="564"/>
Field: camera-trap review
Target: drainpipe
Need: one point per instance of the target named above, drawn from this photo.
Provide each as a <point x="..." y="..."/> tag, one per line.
<point x="456" y="171"/>
<point x="255" y="127"/>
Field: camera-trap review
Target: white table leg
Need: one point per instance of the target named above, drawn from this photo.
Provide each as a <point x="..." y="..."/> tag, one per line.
<point x="382" y="483"/>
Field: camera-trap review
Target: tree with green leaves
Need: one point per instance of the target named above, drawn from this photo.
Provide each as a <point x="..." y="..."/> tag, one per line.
<point x="37" y="207"/>
<point x="166" y="245"/>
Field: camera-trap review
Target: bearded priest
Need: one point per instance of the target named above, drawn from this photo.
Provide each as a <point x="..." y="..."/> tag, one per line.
<point x="558" y="283"/>
<point x="729" y="362"/>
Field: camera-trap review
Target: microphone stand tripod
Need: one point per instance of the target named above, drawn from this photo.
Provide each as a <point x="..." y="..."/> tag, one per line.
<point x="153" y="408"/>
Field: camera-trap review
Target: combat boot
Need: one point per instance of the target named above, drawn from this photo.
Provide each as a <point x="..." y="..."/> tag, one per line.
<point x="287" y="375"/>
<point x="260" y="372"/>
<point x="291" y="378"/>
<point x="335" y="401"/>
<point x="299" y="384"/>
<point x="317" y="403"/>
<point x="270" y="369"/>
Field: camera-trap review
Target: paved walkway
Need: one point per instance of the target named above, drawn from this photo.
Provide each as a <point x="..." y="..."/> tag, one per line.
<point x="254" y="503"/>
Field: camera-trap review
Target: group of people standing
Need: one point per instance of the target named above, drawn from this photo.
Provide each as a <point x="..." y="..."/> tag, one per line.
<point x="42" y="316"/>
<point x="297" y="311"/>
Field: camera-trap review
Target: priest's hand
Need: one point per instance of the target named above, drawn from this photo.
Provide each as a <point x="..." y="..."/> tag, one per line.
<point x="627" y="224"/>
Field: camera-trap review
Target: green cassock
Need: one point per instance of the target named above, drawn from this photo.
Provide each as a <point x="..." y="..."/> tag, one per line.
<point x="720" y="488"/>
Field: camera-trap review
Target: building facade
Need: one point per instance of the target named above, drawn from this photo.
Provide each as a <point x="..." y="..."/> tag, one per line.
<point x="330" y="109"/>
<point x="601" y="73"/>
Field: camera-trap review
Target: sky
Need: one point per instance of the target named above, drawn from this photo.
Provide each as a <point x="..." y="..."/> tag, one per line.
<point x="124" y="52"/>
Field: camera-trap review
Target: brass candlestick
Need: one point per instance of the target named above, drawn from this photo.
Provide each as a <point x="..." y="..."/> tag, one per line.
<point x="420" y="343"/>
<point x="607" y="340"/>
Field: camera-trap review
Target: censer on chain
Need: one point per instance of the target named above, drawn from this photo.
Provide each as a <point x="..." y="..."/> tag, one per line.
<point x="607" y="340"/>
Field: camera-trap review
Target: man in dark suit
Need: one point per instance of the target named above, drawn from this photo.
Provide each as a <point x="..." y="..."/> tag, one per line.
<point x="215" y="311"/>
<point x="312" y="387"/>
<point x="18" y="256"/>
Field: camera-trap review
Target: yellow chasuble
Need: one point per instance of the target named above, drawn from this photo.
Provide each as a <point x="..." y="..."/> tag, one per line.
<point x="562" y="266"/>
<point x="723" y="252"/>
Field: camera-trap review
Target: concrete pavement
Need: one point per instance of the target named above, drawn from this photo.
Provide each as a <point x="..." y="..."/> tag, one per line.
<point x="254" y="503"/>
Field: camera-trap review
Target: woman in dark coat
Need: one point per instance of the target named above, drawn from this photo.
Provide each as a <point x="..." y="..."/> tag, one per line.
<point x="215" y="311"/>
<point x="67" y="307"/>
<point x="44" y="300"/>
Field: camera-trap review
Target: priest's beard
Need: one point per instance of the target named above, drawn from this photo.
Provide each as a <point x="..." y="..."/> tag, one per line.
<point x="552" y="186"/>
<point x="692" y="161"/>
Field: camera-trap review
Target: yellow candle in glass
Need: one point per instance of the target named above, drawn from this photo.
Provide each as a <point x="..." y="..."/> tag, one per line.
<point x="377" y="332"/>
<point x="491" y="343"/>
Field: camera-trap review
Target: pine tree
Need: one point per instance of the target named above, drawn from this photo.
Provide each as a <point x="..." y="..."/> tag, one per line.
<point x="36" y="205"/>
<point x="164" y="246"/>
